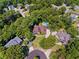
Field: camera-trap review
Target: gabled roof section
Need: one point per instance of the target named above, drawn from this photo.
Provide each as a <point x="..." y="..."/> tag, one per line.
<point x="13" y="41"/>
<point x="63" y="37"/>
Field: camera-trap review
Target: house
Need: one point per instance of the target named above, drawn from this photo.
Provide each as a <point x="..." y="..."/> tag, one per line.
<point x="39" y="29"/>
<point x="76" y="7"/>
<point x="13" y="41"/>
<point x="68" y="11"/>
<point x="21" y="12"/>
<point x="24" y="11"/>
<point x="74" y="17"/>
<point x="63" y="37"/>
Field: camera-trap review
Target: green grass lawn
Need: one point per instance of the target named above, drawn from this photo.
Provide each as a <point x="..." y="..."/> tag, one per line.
<point x="37" y="41"/>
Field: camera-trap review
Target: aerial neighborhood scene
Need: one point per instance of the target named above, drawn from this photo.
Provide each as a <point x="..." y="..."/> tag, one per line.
<point x="39" y="29"/>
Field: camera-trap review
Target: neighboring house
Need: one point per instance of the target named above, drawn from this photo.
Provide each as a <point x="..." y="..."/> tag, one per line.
<point x="11" y="7"/>
<point x="76" y="7"/>
<point x="13" y="41"/>
<point x="24" y="11"/>
<point x="63" y="37"/>
<point x="68" y="11"/>
<point x="21" y="12"/>
<point x="74" y="17"/>
<point x="39" y="29"/>
<point x="65" y="5"/>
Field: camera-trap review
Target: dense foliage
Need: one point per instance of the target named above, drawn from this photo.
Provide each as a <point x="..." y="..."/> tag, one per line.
<point x="13" y="52"/>
<point x="72" y="50"/>
<point x="12" y="24"/>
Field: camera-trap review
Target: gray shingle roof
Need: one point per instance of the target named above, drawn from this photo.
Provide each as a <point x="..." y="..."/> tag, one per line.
<point x="13" y="41"/>
<point x="63" y="37"/>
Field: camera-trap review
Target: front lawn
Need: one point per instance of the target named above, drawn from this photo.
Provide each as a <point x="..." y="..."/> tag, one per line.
<point x="37" y="41"/>
<point x="48" y="43"/>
